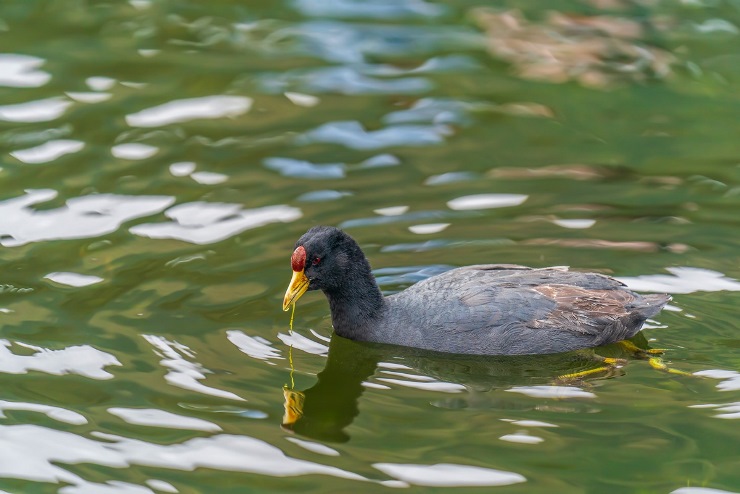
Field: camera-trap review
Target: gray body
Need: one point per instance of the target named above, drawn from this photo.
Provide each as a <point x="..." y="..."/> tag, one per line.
<point x="506" y="309"/>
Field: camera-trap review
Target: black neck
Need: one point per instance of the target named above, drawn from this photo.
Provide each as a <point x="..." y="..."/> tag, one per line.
<point x="356" y="305"/>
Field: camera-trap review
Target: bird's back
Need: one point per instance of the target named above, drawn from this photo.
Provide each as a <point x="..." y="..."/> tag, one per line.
<point x="509" y="309"/>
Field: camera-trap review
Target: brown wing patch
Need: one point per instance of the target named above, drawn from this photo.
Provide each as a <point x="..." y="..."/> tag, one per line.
<point x="582" y="309"/>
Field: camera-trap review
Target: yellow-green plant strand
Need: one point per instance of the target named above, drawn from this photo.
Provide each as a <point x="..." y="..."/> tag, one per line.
<point x="292" y="369"/>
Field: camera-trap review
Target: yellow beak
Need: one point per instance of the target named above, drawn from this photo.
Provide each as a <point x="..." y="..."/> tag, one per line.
<point x="298" y="286"/>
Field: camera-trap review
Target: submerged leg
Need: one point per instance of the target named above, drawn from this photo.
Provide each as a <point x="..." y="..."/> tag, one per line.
<point x="651" y="356"/>
<point x="657" y="363"/>
<point x="608" y="367"/>
<point x="637" y="351"/>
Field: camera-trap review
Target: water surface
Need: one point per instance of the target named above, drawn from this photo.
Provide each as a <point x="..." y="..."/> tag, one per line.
<point x="160" y="158"/>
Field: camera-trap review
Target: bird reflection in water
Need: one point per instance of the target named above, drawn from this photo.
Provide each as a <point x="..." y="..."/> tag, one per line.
<point x="323" y="411"/>
<point x="293" y="399"/>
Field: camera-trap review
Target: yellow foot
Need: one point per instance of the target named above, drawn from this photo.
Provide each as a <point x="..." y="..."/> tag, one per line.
<point x="657" y="363"/>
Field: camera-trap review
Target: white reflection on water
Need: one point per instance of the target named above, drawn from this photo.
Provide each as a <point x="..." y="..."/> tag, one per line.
<point x="56" y="413"/>
<point x="221" y="452"/>
<point x="161" y="485"/>
<point x="300" y="342"/>
<point x="576" y="224"/>
<point x="31" y="452"/>
<point x="134" y="151"/>
<point x="184" y="110"/>
<point x="187" y="168"/>
<point x="428" y="229"/>
<point x="450" y="177"/>
<point x="22" y="71"/>
<point x="530" y="423"/>
<point x="300" y="99"/>
<point x="555" y="392"/>
<point x="314" y="447"/>
<point x="353" y="135"/>
<point x="153" y="417"/>
<point x="391" y="210"/>
<point x="683" y="280"/>
<point x="83" y="360"/>
<point x="209" y="222"/>
<point x="42" y="110"/>
<point x="521" y="438"/>
<point x="48" y="151"/>
<point x="730" y="379"/>
<point x="87" y="97"/>
<point x="182" y="168"/>
<point x="100" y="83"/>
<point x="449" y="475"/>
<point x="254" y="346"/>
<point x="73" y="279"/>
<point x="418" y="381"/>
<point x="182" y="372"/>
<point x="209" y="178"/>
<point x="110" y="487"/>
<point x="729" y="410"/>
<point x="486" y="201"/>
<point x="438" y="386"/>
<point x="81" y="217"/>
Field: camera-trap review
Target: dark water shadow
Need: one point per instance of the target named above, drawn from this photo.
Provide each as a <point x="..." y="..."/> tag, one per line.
<point x="323" y="411"/>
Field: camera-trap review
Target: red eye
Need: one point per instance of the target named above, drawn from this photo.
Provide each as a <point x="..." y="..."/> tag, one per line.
<point x="316" y="261"/>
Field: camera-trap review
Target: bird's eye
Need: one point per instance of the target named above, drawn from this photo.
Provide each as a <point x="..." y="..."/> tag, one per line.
<point x="316" y="261"/>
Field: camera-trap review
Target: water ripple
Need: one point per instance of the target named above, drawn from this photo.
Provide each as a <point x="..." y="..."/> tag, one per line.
<point x="521" y="438"/>
<point x="486" y="201"/>
<point x="134" y="151"/>
<point x="340" y="80"/>
<point x="254" y="346"/>
<point x="22" y="71"/>
<point x="206" y="223"/>
<point x="683" y="279"/>
<point x="82" y="360"/>
<point x="43" y="110"/>
<point x="449" y="475"/>
<point x="353" y="135"/>
<point x="289" y="167"/>
<point x="81" y="217"/>
<point x="184" y="110"/>
<point x="359" y="43"/>
<point x="230" y="452"/>
<point x="555" y="392"/>
<point x="73" y="279"/>
<point x="182" y="372"/>
<point x="48" y="151"/>
<point x="56" y="413"/>
<point x="159" y="418"/>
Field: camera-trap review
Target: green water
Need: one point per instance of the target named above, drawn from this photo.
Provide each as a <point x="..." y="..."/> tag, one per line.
<point x="160" y="158"/>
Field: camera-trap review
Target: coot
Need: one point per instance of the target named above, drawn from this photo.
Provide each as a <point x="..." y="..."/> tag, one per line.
<point x="487" y="309"/>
